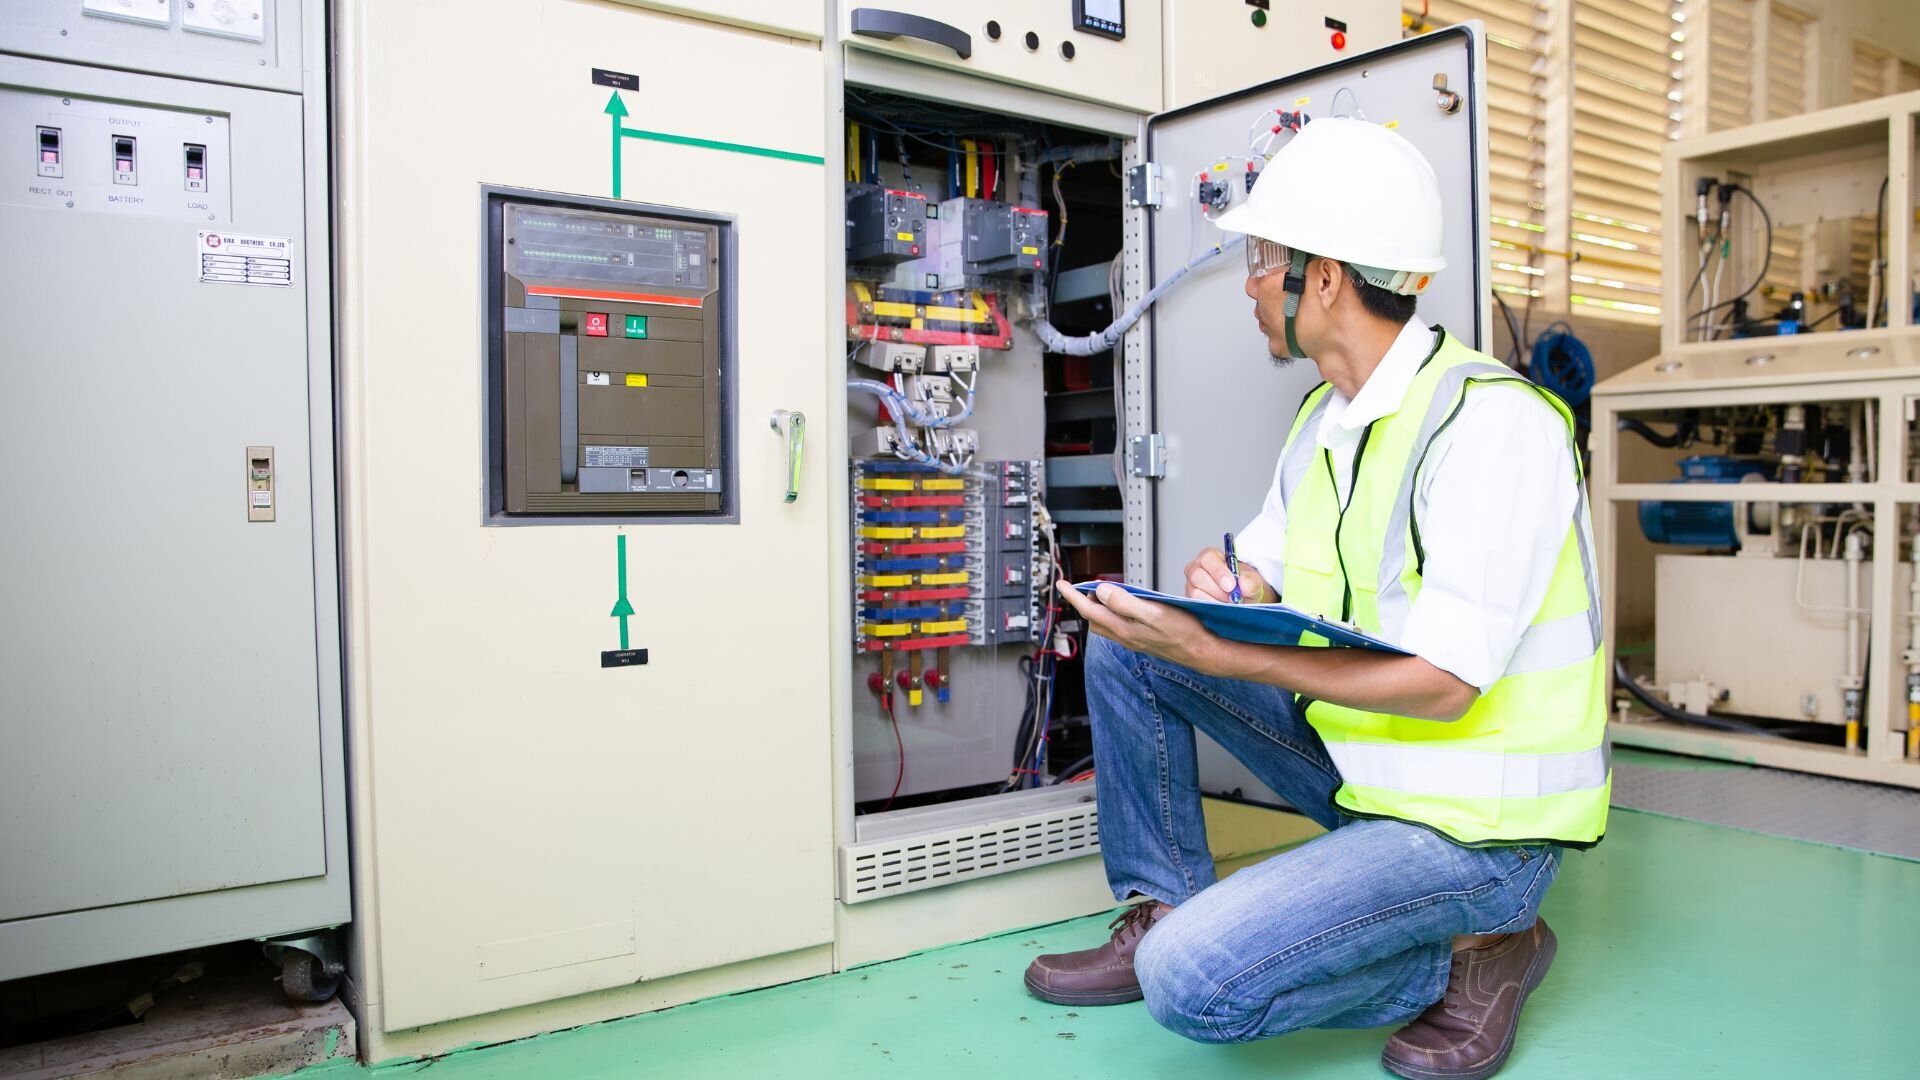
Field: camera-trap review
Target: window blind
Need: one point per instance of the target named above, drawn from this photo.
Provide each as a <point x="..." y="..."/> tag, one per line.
<point x="1516" y="120"/>
<point x="1729" y="64"/>
<point x="1789" y="33"/>
<point x="1625" y="108"/>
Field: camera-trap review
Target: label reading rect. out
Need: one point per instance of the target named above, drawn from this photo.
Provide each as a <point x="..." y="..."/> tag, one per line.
<point x="628" y="457"/>
<point x="238" y="259"/>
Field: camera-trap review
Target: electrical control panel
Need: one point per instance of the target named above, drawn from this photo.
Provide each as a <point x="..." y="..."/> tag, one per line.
<point x="885" y="225"/>
<point x="1215" y="48"/>
<point x="1105" y="51"/>
<point x="95" y="155"/>
<point x="238" y="42"/>
<point x="609" y="327"/>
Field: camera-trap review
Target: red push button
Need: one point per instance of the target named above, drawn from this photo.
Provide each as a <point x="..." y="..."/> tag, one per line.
<point x="1339" y="40"/>
<point x="594" y="324"/>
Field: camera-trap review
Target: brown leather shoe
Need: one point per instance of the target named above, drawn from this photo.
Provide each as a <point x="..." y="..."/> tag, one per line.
<point x="1468" y="1033"/>
<point x="1102" y="976"/>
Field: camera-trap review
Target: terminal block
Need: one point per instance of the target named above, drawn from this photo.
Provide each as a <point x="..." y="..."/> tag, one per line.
<point x="948" y="358"/>
<point x="892" y="356"/>
<point x="947" y="561"/>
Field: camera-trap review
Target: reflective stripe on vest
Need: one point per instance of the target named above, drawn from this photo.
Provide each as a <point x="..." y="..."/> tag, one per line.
<point x="1471" y="773"/>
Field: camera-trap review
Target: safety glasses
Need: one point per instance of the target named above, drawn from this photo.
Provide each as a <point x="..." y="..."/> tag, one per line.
<point x="1266" y="257"/>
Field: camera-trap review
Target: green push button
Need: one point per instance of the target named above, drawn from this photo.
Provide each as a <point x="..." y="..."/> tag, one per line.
<point x="637" y="326"/>
<point x="1259" y="18"/>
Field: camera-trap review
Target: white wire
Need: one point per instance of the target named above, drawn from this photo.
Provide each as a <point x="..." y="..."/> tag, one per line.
<point x="1358" y="112"/>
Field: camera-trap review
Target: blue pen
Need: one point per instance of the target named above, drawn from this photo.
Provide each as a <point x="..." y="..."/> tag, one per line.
<point x="1233" y="565"/>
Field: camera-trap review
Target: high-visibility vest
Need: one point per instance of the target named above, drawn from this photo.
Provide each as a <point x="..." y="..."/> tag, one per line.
<point x="1529" y="760"/>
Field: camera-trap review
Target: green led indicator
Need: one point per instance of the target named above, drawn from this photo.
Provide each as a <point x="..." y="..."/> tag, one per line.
<point x="1259" y="18"/>
<point x="636" y="326"/>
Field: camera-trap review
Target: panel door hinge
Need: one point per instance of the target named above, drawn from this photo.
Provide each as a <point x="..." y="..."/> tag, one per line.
<point x="1143" y="185"/>
<point x="1147" y="456"/>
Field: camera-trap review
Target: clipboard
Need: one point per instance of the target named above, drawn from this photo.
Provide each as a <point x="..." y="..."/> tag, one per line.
<point x="1258" y="624"/>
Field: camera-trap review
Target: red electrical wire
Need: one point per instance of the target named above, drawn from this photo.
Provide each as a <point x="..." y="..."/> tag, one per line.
<point x="886" y="703"/>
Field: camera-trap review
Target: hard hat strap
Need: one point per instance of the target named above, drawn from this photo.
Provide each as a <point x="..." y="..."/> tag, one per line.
<point x="1295" y="285"/>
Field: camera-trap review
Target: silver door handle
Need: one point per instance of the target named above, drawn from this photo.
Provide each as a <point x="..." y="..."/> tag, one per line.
<point x="792" y="428"/>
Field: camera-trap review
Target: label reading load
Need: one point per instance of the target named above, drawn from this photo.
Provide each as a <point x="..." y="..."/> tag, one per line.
<point x="237" y="259"/>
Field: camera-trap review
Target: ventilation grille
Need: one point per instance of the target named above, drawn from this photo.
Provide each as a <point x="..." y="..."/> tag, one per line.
<point x="905" y="864"/>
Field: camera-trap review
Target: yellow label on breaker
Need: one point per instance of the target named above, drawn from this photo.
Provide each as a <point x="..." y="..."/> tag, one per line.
<point x="636" y="380"/>
<point x="1029" y="251"/>
<point x="905" y="236"/>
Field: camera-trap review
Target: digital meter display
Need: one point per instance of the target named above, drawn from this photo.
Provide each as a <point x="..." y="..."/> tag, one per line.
<point x="1107" y="18"/>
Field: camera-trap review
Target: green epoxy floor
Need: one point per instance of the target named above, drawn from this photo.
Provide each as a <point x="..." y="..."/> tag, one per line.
<point x="1686" y="950"/>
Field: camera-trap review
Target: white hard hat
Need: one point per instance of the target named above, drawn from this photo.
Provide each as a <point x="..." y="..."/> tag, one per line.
<point x="1355" y="192"/>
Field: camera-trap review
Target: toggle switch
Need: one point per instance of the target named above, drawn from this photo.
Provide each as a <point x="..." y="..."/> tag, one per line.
<point x="259" y="483"/>
<point x="123" y="160"/>
<point x="196" y="167"/>
<point x="49" y="163"/>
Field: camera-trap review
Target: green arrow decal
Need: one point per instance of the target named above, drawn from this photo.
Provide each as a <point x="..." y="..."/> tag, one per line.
<point x="616" y="111"/>
<point x="621" y="608"/>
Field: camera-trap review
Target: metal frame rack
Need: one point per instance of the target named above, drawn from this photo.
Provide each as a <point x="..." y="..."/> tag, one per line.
<point x="1815" y="164"/>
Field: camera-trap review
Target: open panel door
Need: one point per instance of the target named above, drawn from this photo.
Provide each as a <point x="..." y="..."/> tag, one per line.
<point x="1221" y="404"/>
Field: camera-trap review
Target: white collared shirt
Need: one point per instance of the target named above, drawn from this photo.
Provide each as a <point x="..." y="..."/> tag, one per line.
<point x="1493" y="501"/>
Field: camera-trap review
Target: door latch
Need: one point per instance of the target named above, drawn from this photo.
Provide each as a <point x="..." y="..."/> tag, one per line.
<point x="260" y="483"/>
<point x="792" y="428"/>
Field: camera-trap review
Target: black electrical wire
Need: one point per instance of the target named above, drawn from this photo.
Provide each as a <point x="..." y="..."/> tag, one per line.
<point x="1074" y="770"/>
<point x="1513" y="331"/>
<point x="1820" y="320"/>
<point x="1766" y="263"/>
<point x="1679" y="716"/>
<point x="1683" y="432"/>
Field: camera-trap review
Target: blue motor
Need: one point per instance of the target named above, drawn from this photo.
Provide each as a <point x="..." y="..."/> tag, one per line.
<point x="1696" y="524"/>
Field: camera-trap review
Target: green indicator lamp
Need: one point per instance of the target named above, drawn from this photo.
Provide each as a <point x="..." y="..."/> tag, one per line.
<point x="1259" y="17"/>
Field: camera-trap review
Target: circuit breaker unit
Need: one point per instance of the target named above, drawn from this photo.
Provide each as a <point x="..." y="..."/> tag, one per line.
<point x="885" y="226"/>
<point x="993" y="239"/>
<point x="609" y="360"/>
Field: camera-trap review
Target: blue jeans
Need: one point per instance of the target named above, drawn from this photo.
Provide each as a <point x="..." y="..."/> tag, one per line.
<point x="1351" y="929"/>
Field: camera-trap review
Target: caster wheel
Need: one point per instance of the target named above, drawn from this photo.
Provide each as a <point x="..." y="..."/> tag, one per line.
<point x="304" y="978"/>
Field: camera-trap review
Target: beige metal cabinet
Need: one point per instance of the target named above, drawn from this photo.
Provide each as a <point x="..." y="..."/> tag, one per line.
<point x="532" y="825"/>
<point x="1018" y="41"/>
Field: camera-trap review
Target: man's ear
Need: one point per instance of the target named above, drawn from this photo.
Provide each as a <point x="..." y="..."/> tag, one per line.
<point x="1327" y="280"/>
